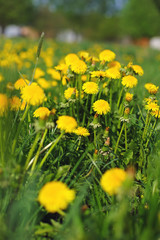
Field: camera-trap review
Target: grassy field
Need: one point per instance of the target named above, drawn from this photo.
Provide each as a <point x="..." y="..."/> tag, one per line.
<point x="79" y="141"/>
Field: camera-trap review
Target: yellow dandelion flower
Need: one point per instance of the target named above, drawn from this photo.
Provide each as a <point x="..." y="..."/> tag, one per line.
<point x="83" y="54"/>
<point x="66" y="123"/>
<point x="115" y="64"/>
<point x="107" y="55"/>
<point x="23" y="105"/>
<point x="54" y="74"/>
<point x="129" y="81"/>
<point x="55" y="196"/>
<point x="53" y="111"/>
<point x="128" y="97"/>
<point x="81" y="131"/>
<point x="90" y="87"/>
<point x="15" y="103"/>
<point x="42" y="113"/>
<point x="83" y="78"/>
<point x="137" y="69"/>
<point x="1" y="77"/>
<point x="3" y="104"/>
<point x="152" y="106"/>
<point x="156" y="113"/>
<point x="39" y="73"/>
<point x="129" y="64"/>
<point x="10" y="86"/>
<point x="78" y="67"/>
<point x="53" y="83"/>
<point x="20" y="83"/>
<point x="112" y="180"/>
<point x="99" y="74"/>
<point x="149" y="100"/>
<point x="92" y="59"/>
<point x="151" y="88"/>
<point x="113" y="73"/>
<point x="70" y="58"/>
<point x="43" y="83"/>
<point x="33" y="94"/>
<point x="64" y="80"/>
<point x="101" y="107"/>
<point x="62" y="67"/>
<point x="70" y="92"/>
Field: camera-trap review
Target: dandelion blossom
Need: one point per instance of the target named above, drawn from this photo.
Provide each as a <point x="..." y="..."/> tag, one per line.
<point x="115" y="64"/>
<point x="112" y="180"/>
<point x="113" y="73"/>
<point x="151" y="88"/>
<point x="33" y="94"/>
<point x="137" y="69"/>
<point x="99" y="74"/>
<point x="129" y="81"/>
<point x="81" y="131"/>
<point x="21" y="83"/>
<point x="54" y="74"/>
<point x="55" y="196"/>
<point x="128" y="97"/>
<point x="69" y="92"/>
<point x="43" y="83"/>
<point x="15" y="103"/>
<point x="101" y="107"/>
<point x="70" y="58"/>
<point x="62" y="67"/>
<point x="90" y="87"/>
<point x="78" y="67"/>
<point x="107" y="56"/>
<point x="66" y="123"/>
<point x="152" y="106"/>
<point x="42" y="113"/>
<point x="3" y="104"/>
<point x="39" y="73"/>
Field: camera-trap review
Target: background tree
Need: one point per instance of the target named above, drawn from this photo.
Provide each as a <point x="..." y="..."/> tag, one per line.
<point x="140" y="19"/>
<point x="16" y="12"/>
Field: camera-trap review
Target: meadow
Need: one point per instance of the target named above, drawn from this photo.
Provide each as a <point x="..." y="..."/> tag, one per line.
<point x="79" y="141"/>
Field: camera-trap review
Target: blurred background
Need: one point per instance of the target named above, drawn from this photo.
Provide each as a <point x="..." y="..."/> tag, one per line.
<point x="125" y="21"/>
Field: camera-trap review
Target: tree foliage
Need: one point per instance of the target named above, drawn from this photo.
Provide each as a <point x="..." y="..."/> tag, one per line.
<point x="140" y="18"/>
<point x="16" y="12"/>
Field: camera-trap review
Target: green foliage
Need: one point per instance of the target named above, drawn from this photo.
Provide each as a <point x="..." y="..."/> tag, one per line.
<point x="140" y="19"/>
<point x="14" y="12"/>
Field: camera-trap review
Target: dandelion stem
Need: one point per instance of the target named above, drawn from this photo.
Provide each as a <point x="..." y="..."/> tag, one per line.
<point x="119" y="137"/>
<point x="39" y="149"/>
<point x="32" y="150"/>
<point x="50" y="150"/>
<point x="125" y="129"/>
<point x="119" y="99"/>
<point x="84" y="114"/>
<point x="146" y="126"/>
<point x="151" y="133"/>
<point x="19" y="128"/>
<point x="92" y="100"/>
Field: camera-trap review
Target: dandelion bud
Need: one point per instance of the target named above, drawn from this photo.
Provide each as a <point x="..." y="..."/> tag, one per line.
<point x="107" y="142"/>
<point x="127" y="111"/>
